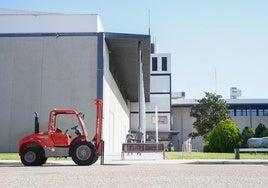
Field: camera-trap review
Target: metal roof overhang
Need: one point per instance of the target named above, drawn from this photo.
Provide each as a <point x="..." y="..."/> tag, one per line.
<point x="123" y="55"/>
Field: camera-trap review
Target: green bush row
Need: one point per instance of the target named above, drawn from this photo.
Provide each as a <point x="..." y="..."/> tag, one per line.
<point x="225" y="136"/>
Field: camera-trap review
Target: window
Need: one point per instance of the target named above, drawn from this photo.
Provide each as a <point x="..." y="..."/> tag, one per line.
<point x="248" y="112"/>
<point x="161" y="120"/>
<point x="260" y="112"/>
<point x="253" y="112"/>
<point x="164" y="63"/>
<point x="154" y="64"/>
<point x="265" y="112"/>
<point x="239" y="112"/>
<point x="232" y="112"/>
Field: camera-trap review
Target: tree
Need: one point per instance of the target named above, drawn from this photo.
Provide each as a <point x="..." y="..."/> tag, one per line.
<point x="247" y="133"/>
<point x="209" y="111"/>
<point x="259" y="129"/>
<point x="224" y="137"/>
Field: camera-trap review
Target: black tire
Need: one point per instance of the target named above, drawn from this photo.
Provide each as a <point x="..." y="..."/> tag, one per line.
<point x="96" y="158"/>
<point x="43" y="160"/>
<point x="84" y="153"/>
<point x="31" y="157"/>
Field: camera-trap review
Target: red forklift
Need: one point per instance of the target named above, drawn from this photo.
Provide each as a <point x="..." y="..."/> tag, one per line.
<point x="34" y="149"/>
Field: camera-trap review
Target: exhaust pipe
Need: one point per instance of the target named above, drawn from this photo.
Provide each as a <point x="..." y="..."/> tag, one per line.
<point x="36" y="123"/>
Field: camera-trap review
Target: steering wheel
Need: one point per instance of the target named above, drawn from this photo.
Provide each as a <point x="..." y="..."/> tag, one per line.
<point x="77" y="130"/>
<point x="73" y="128"/>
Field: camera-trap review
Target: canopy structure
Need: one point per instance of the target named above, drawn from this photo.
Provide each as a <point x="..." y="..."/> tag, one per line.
<point x="123" y="49"/>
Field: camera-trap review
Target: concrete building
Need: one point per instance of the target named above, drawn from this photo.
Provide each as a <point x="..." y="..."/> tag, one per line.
<point x="245" y="112"/>
<point x="52" y="60"/>
<point x="160" y="99"/>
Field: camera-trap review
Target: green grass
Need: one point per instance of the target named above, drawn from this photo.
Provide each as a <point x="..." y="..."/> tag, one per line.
<point x="201" y="155"/>
<point x="9" y="156"/>
<point x="175" y="155"/>
<point x="15" y="156"/>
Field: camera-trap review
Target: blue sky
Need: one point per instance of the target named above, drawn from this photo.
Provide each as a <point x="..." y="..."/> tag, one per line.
<point x="214" y="44"/>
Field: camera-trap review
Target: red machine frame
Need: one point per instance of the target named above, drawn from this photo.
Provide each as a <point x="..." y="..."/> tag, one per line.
<point x="36" y="148"/>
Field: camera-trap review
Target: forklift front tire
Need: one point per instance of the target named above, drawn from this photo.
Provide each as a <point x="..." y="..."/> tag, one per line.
<point x="31" y="157"/>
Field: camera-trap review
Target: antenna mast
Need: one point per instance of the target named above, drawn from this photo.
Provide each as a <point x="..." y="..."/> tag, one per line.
<point x="149" y="15"/>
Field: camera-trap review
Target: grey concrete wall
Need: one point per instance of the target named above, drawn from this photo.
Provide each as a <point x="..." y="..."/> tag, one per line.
<point x="184" y="124"/>
<point x="41" y="73"/>
<point x="253" y="121"/>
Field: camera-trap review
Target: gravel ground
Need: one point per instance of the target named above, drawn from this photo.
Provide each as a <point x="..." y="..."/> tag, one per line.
<point x="136" y="173"/>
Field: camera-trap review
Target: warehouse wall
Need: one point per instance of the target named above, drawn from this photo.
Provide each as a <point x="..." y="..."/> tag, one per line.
<point x="40" y="73"/>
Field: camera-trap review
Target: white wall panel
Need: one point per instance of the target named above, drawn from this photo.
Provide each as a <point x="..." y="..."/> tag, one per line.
<point x="160" y="84"/>
<point x="162" y="101"/>
<point x="49" y="23"/>
<point x="116" y="112"/>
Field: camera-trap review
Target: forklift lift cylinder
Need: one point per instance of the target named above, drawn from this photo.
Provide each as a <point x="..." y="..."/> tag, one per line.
<point x="36" y="123"/>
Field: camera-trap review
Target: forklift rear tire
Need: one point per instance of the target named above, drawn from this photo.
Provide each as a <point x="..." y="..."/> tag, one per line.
<point x="31" y="157"/>
<point x="84" y="153"/>
<point x="96" y="158"/>
<point x="43" y="161"/>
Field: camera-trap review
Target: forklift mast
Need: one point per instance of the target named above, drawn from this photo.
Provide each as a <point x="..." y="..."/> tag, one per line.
<point x="97" y="138"/>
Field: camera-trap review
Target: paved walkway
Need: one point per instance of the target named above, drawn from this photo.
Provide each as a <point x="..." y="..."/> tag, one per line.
<point x="158" y="158"/>
<point x="146" y="170"/>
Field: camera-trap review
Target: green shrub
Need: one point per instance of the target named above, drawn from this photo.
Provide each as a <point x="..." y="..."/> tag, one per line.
<point x="206" y="147"/>
<point x="264" y="133"/>
<point x="247" y="133"/>
<point x="224" y="137"/>
<point x="261" y="127"/>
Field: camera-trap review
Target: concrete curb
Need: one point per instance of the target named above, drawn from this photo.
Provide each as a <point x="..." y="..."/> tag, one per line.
<point x="7" y="163"/>
<point x="146" y="159"/>
<point x="253" y="162"/>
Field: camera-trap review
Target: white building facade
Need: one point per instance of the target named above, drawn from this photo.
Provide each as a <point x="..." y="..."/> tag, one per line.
<point x="65" y="61"/>
<point x="160" y="100"/>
